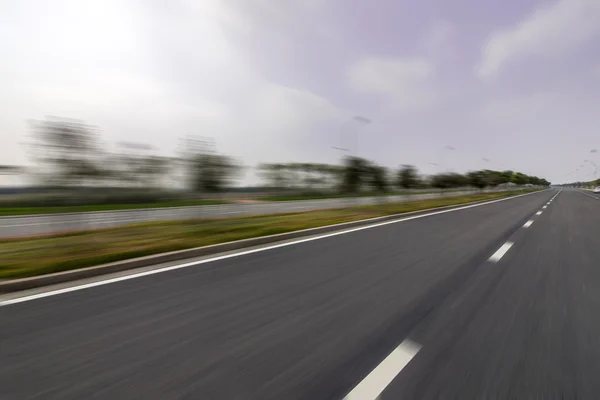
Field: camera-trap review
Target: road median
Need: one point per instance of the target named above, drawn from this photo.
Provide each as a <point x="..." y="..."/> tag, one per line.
<point x="34" y="262"/>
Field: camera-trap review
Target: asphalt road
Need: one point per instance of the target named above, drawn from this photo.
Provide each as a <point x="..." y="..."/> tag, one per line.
<point x="49" y="223"/>
<point x="313" y="320"/>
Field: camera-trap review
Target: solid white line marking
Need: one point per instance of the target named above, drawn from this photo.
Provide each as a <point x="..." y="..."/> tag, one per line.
<point x="528" y="223"/>
<point x="538" y="213"/>
<point x="500" y="252"/>
<point x="375" y="383"/>
<point x="553" y="197"/>
<point x="241" y="253"/>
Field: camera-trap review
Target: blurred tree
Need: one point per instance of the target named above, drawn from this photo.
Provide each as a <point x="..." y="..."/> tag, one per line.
<point x="294" y="173"/>
<point x="355" y="169"/>
<point x="519" y="179"/>
<point x="478" y="179"/>
<point x="136" y="165"/>
<point x="507" y="176"/>
<point x="336" y="176"/>
<point x="448" y="180"/>
<point x="440" y="181"/>
<point x="311" y="176"/>
<point x="274" y="174"/>
<point x="67" y="152"/>
<point x="376" y="176"/>
<point x="320" y="175"/>
<point x="204" y="169"/>
<point x="494" y="178"/>
<point x="213" y="172"/>
<point x="306" y="175"/>
<point x="534" y="180"/>
<point x="408" y="177"/>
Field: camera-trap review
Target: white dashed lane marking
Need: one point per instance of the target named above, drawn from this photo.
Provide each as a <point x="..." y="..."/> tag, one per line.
<point x="371" y="387"/>
<point x="500" y="252"/>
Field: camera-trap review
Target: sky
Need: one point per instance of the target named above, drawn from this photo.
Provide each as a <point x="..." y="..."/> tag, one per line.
<point x="515" y="82"/>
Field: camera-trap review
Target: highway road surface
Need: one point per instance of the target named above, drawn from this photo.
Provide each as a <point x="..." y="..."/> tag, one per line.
<point x="49" y="223"/>
<point x="493" y="301"/>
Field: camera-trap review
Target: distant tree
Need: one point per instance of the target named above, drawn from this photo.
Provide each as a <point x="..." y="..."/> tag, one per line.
<point x="354" y="176"/>
<point x="205" y="169"/>
<point x="458" y="180"/>
<point x="448" y="180"/>
<point x="294" y="174"/>
<point x="439" y="181"/>
<point x="67" y="152"/>
<point x="153" y="168"/>
<point x="307" y="175"/>
<point x="545" y="182"/>
<point x="335" y="176"/>
<point x="213" y="172"/>
<point x="507" y="176"/>
<point x="494" y="178"/>
<point x="135" y="164"/>
<point x="520" y="179"/>
<point x="321" y="175"/>
<point x="408" y="177"/>
<point x="313" y="175"/>
<point x="478" y="179"/>
<point x="534" y="180"/>
<point x="376" y="176"/>
<point x="274" y="174"/>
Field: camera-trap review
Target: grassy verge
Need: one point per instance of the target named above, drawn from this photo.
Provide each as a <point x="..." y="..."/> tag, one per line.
<point x="24" y="257"/>
<point x="8" y="211"/>
<point x="340" y="196"/>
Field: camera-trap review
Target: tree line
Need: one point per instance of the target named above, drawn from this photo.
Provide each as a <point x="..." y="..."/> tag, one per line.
<point x="358" y="174"/>
<point x="70" y="153"/>
<point x="582" y="184"/>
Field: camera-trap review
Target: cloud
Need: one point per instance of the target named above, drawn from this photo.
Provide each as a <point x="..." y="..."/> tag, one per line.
<point x="438" y="43"/>
<point x="283" y="123"/>
<point x="549" y="32"/>
<point x="404" y="83"/>
<point x="515" y="108"/>
<point x="278" y="23"/>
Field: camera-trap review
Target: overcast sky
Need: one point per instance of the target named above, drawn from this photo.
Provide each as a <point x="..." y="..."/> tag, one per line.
<point x="513" y="81"/>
